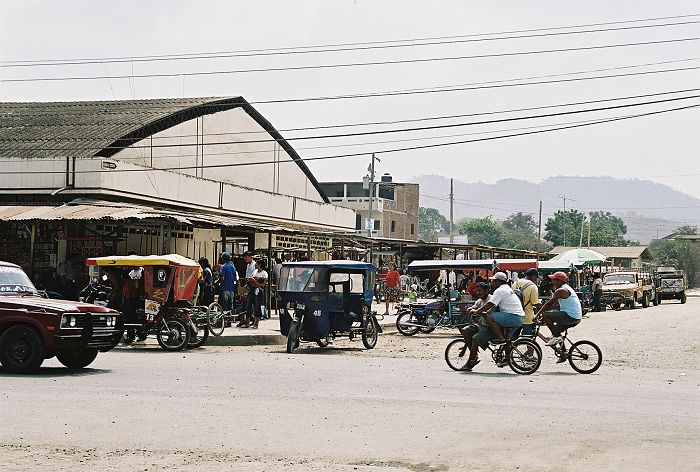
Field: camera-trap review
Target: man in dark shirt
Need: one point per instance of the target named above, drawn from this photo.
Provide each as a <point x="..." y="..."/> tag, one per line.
<point x="227" y="281"/>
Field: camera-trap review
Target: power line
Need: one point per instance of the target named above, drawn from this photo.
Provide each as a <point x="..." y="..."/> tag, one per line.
<point x="352" y="64"/>
<point x="385" y="151"/>
<point x="321" y="49"/>
<point x="370" y="133"/>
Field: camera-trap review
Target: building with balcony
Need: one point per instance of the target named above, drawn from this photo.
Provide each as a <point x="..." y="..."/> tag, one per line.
<point x="394" y="206"/>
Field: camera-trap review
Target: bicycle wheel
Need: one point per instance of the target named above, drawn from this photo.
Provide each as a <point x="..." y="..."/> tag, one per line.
<point x="216" y="319"/>
<point x="519" y="360"/>
<point x="585" y="357"/>
<point x="457" y="355"/>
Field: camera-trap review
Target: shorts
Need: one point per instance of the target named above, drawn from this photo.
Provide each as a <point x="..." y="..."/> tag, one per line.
<point x="392" y="293"/>
<point x="483" y="337"/>
<point x="528" y="330"/>
<point x="561" y="318"/>
<point x="507" y="320"/>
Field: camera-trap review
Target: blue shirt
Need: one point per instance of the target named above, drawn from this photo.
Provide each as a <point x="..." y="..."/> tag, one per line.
<point x="228" y="272"/>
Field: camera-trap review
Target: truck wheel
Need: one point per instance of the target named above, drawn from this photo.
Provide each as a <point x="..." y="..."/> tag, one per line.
<point x="21" y="349"/>
<point x="77" y="359"/>
<point x="633" y="303"/>
<point x="645" y="301"/>
<point x="683" y="297"/>
<point x="657" y="299"/>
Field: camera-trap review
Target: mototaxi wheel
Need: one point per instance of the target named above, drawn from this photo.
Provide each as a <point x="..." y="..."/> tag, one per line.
<point x="370" y="332"/>
<point x="404" y="329"/>
<point x="77" y="359"/>
<point x="173" y="335"/>
<point x="457" y="354"/>
<point x="585" y="357"/>
<point x="518" y="359"/>
<point x="21" y="349"/>
<point x="216" y="320"/>
<point x="293" y="336"/>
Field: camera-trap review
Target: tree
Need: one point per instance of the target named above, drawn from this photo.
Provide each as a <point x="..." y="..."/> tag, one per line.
<point x="607" y="230"/>
<point x="562" y="223"/>
<point x="484" y="231"/>
<point x="431" y="223"/>
<point x="519" y="232"/>
<point x="686" y="230"/>
<point x="684" y="255"/>
<point x="523" y="222"/>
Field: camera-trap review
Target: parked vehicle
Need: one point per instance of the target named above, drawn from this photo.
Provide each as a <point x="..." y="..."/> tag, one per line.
<point x="671" y="283"/>
<point x="165" y="309"/>
<point x="321" y="300"/>
<point x="34" y="327"/>
<point x="628" y="288"/>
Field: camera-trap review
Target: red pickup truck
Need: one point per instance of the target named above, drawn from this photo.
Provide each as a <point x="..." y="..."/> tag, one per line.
<point x="34" y="327"/>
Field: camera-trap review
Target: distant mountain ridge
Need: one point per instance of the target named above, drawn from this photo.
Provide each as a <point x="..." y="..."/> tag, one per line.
<point x="637" y="202"/>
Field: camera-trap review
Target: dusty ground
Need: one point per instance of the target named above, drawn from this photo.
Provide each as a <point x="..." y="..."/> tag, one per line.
<point x="395" y="408"/>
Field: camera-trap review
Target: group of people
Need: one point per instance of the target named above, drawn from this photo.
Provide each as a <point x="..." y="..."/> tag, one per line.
<point x="516" y="306"/>
<point x="250" y="289"/>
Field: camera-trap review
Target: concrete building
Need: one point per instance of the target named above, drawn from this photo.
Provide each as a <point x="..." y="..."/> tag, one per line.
<point x="192" y="176"/>
<point x="394" y="206"/>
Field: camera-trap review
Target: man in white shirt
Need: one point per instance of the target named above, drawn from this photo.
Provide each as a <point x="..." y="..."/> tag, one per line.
<point x="508" y="311"/>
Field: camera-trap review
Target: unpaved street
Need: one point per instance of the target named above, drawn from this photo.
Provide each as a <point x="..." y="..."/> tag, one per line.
<point x="396" y="408"/>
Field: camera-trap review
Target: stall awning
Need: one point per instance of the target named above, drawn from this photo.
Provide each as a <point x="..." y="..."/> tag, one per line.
<point x="517" y="264"/>
<point x="465" y="264"/>
<point x="89" y="210"/>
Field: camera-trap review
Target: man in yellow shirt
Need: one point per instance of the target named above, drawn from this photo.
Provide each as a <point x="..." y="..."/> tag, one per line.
<point x="531" y="299"/>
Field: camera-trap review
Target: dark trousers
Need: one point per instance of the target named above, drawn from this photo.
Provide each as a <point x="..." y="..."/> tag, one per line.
<point x="250" y="304"/>
<point x="597" y="300"/>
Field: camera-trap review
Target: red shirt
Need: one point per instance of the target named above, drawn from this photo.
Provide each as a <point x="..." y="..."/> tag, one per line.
<point x="392" y="279"/>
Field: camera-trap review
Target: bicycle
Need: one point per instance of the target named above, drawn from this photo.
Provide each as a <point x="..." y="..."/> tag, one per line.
<point x="584" y="356"/>
<point x="514" y="352"/>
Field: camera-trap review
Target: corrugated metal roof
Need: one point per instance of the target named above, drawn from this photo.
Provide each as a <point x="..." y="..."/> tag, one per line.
<point x="28" y="128"/>
<point x="623" y="252"/>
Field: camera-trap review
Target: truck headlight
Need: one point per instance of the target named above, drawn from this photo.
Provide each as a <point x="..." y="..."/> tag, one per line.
<point x="68" y="321"/>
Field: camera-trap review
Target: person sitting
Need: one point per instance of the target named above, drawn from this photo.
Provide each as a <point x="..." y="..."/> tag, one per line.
<point x="479" y="334"/>
<point x="509" y="311"/>
<point x="569" y="313"/>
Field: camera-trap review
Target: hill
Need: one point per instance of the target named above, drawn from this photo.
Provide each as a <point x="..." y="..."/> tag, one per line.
<point x="649" y="209"/>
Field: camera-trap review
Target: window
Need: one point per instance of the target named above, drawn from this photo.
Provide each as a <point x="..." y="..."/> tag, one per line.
<point x="393" y="226"/>
<point x="358" y="221"/>
<point x="413" y="229"/>
<point x="377" y="225"/>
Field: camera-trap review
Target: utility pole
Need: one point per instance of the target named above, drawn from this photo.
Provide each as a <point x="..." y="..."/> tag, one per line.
<point x="563" y="197"/>
<point x="370" y="221"/>
<point x="580" y="239"/>
<point x="539" y="232"/>
<point x="590" y="215"/>
<point x="452" y="206"/>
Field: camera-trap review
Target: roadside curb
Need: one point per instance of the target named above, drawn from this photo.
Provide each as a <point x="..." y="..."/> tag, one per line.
<point x="247" y="340"/>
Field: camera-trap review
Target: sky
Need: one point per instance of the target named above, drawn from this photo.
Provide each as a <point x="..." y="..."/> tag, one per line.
<point x="662" y="147"/>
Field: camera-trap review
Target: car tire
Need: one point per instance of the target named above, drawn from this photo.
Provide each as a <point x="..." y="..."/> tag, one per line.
<point x="77" y="359"/>
<point x="645" y="301"/>
<point x="683" y="297"/>
<point x="21" y="349"/>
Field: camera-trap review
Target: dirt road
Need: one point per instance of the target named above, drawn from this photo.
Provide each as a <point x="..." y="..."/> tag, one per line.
<point x="396" y="408"/>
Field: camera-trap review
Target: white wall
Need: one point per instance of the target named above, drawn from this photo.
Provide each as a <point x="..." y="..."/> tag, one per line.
<point x="219" y="139"/>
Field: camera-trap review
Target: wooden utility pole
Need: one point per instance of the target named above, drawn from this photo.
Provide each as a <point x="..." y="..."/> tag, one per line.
<point x="370" y="221"/>
<point x="539" y="232"/>
<point x="452" y="205"/>
<point x="589" y="230"/>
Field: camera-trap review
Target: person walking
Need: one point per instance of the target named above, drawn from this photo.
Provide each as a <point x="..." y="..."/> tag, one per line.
<point x="227" y="282"/>
<point x="248" y="313"/>
<point x="391" y="285"/>
<point x="207" y="283"/>
<point x="259" y="280"/>
<point x="597" y="289"/>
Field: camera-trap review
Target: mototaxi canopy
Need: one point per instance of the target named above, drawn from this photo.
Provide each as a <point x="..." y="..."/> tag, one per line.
<point x="138" y="261"/>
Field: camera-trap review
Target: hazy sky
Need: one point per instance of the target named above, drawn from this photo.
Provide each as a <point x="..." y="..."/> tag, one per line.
<point x="663" y="148"/>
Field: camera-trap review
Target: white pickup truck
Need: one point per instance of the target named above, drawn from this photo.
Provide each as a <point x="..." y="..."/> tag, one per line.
<point x="628" y="288"/>
<point x="671" y="284"/>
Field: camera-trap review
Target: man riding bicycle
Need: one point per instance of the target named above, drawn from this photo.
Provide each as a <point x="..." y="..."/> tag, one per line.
<point x="509" y="313"/>
<point x="569" y="313"/>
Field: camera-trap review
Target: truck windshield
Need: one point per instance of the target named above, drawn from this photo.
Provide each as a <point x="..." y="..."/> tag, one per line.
<point x="14" y="280"/>
<point x="618" y="279"/>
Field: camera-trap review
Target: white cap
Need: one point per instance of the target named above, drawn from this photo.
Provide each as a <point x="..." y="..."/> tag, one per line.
<point x="499" y="276"/>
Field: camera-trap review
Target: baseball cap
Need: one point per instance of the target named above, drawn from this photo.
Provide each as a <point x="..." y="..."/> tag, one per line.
<point x="531" y="272"/>
<point x="559" y="276"/>
<point x="499" y="276"/>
